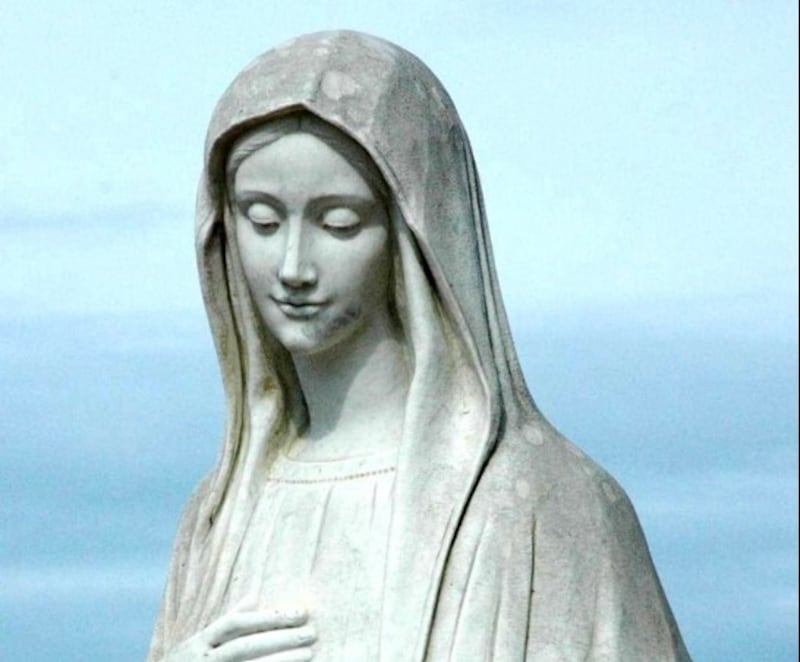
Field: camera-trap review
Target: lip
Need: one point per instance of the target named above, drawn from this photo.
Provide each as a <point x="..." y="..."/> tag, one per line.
<point x="298" y="308"/>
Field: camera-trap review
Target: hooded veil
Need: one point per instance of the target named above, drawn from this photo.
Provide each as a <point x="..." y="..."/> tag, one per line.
<point x="505" y="542"/>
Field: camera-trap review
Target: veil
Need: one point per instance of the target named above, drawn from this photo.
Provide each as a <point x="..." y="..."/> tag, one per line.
<point x="467" y="393"/>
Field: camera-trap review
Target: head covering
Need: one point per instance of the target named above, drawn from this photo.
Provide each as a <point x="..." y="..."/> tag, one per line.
<point x="466" y="381"/>
<point x="504" y="537"/>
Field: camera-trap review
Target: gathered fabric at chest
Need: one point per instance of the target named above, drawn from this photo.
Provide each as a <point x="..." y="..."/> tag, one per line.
<point x="318" y="540"/>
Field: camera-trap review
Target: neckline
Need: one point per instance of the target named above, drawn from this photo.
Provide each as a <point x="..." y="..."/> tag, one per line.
<point x="285" y="469"/>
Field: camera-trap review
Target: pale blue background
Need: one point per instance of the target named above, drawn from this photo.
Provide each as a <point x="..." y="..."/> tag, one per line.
<point x="639" y="161"/>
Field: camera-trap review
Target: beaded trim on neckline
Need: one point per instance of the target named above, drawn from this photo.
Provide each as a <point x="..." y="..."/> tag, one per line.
<point x="363" y="474"/>
<point x="287" y="470"/>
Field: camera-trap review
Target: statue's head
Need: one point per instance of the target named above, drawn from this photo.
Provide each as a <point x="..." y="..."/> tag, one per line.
<point x="311" y="222"/>
<point x="352" y="110"/>
<point x="283" y="276"/>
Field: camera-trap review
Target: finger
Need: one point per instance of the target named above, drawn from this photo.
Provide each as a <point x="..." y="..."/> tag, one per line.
<point x="258" y="645"/>
<point x="238" y="624"/>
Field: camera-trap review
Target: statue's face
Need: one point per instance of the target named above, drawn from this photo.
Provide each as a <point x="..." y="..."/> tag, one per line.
<point x="314" y="243"/>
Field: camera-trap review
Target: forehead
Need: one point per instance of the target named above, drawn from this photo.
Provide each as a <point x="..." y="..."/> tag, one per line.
<point x="299" y="162"/>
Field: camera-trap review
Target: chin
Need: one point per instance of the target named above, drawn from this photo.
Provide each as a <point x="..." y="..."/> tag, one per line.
<point x="317" y="336"/>
<point x="303" y="339"/>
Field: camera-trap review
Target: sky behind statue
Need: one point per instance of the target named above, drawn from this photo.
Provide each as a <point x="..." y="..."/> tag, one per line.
<point x="648" y="150"/>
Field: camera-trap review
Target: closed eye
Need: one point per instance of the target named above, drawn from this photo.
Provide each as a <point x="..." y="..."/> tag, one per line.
<point x="342" y="221"/>
<point x="262" y="213"/>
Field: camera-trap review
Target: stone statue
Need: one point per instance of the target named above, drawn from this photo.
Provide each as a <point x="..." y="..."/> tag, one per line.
<point x="387" y="489"/>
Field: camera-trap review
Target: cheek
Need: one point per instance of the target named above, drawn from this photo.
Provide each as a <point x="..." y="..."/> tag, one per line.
<point x="257" y="257"/>
<point x="246" y="248"/>
<point x="363" y="277"/>
<point x="369" y="270"/>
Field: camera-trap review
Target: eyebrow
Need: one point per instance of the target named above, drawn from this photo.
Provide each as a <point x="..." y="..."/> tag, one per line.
<point x="249" y="197"/>
<point x="357" y="202"/>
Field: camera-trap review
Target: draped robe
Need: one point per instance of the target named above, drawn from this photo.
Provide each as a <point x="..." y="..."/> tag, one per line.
<point x="506" y="542"/>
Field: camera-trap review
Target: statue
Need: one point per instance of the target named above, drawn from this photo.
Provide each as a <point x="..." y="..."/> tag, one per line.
<point x="387" y="489"/>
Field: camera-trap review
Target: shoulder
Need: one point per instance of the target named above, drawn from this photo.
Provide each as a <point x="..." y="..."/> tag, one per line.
<point x="534" y="463"/>
<point x="595" y="591"/>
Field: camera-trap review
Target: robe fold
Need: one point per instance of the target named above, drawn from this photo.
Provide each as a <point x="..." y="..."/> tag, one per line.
<point x="505" y="542"/>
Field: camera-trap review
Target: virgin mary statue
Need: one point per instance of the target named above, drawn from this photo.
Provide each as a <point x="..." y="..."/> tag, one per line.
<point x="387" y="489"/>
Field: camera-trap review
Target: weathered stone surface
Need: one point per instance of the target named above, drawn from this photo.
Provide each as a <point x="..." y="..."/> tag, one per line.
<point x="387" y="488"/>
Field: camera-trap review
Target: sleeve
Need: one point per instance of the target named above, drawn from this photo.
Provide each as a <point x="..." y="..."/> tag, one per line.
<point x="596" y="595"/>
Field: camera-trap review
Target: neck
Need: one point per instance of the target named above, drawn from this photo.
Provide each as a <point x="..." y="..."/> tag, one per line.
<point x="355" y="395"/>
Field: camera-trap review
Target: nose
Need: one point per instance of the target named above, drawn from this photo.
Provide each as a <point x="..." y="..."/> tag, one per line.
<point x="296" y="269"/>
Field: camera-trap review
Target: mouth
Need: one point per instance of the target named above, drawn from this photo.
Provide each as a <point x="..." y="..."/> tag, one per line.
<point x="296" y="308"/>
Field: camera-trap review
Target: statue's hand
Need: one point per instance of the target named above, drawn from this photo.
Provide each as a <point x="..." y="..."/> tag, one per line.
<point x="268" y="635"/>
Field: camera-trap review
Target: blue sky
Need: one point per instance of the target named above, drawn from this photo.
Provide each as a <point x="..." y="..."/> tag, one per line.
<point x="639" y="163"/>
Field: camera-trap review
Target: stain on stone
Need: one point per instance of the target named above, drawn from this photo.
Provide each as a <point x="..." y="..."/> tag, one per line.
<point x="336" y="85"/>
